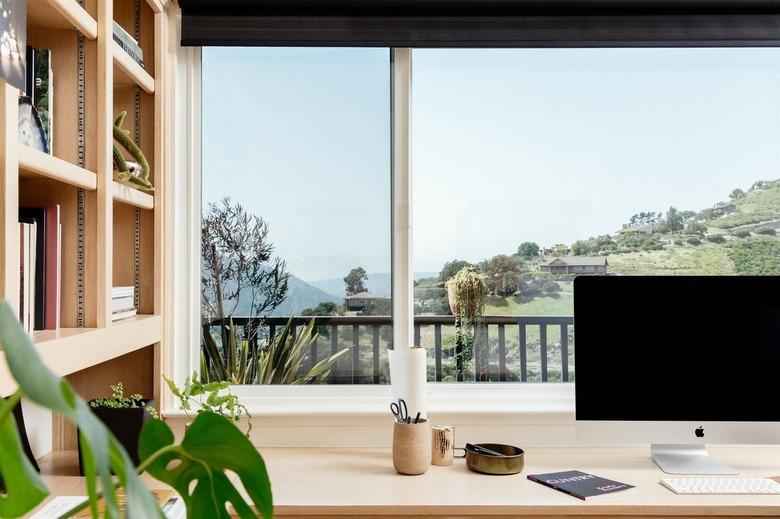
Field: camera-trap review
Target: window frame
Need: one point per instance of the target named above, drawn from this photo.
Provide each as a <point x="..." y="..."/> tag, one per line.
<point x="452" y="399"/>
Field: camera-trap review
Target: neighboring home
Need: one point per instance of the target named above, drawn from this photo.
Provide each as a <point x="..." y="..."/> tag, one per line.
<point x="575" y="265"/>
<point x="723" y="208"/>
<point x="640" y="230"/>
<point x="357" y="302"/>
<point x="559" y="249"/>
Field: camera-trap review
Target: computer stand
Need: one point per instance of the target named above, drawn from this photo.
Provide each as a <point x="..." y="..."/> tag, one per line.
<point x="687" y="459"/>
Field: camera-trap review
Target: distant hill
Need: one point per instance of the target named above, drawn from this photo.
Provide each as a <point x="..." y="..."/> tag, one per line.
<point x="378" y="283"/>
<point x="300" y="295"/>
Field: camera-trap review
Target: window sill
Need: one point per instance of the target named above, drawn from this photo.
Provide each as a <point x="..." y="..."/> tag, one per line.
<point x="443" y="400"/>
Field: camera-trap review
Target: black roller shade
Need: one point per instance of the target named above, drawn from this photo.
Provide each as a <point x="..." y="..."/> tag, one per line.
<point x="481" y="23"/>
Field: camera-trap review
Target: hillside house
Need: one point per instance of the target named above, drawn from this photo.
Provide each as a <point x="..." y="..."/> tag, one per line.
<point x="640" y="230"/>
<point x="575" y="265"/>
<point x="358" y="302"/>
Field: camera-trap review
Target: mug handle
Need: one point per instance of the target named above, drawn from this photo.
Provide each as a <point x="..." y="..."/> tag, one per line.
<point x="458" y="449"/>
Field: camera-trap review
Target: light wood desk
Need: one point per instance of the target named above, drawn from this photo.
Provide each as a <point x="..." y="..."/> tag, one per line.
<point x="362" y="483"/>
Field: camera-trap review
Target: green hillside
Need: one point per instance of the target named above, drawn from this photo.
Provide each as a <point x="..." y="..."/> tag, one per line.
<point x="735" y="237"/>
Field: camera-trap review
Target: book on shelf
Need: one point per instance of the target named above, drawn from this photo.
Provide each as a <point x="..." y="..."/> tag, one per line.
<point x="37" y="216"/>
<point x="27" y="243"/>
<point x="46" y="274"/>
<point x="121" y="304"/>
<point x="118" y="316"/>
<point x="117" y="292"/>
<point x="39" y="87"/>
<point x="128" y="44"/>
<point x="580" y="484"/>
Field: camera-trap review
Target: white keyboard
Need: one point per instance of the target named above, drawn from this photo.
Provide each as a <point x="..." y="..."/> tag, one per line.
<point x="721" y="485"/>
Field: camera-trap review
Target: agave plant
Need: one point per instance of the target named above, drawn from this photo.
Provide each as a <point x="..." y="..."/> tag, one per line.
<point x="280" y="361"/>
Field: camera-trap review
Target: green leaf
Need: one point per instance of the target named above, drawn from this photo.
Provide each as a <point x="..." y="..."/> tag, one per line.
<point x="212" y="445"/>
<point x="102" y="453"/>
<point x="23" y="487"/>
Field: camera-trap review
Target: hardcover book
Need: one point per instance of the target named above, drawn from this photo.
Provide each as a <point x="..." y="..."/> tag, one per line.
<point x="580" y="484"/>
<point x="37" y="215"/>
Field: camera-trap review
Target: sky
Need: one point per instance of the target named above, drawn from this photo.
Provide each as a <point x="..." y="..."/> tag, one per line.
<point x="509" y="145"/>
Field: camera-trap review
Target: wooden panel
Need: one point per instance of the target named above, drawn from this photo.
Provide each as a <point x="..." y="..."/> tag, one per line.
<point x="60" y="14"/>
<point x="9" y="189"/>
<point x="128" y="72"/>
<point x="131" y="196"/>
<point x="105" y="169"/>
<point x="33" y="163"/>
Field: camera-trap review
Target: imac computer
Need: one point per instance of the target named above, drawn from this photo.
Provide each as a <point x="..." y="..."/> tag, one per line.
<point x="677" y="361"/>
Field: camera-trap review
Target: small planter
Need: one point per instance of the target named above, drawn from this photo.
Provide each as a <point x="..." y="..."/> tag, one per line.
<point x="125" y="424"/>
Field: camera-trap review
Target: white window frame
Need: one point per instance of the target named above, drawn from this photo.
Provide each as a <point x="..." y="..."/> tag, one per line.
<point x="544" y="401"/>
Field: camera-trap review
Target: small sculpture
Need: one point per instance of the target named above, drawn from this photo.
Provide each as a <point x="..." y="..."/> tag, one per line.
<point x="128" y="172"/>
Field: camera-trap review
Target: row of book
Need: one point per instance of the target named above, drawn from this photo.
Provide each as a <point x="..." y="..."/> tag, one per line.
<point x="40" y="259"/>
<point x="122" y="303"/>
<point x="128" y="44"/>
<point x="40" y="272"/>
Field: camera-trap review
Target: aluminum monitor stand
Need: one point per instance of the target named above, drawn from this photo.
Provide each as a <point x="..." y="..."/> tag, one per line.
<point x="687" y="459"/>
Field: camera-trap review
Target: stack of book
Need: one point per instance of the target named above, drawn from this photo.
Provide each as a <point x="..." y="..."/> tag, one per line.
<point x="122" y="303"/>
<point x="128" y="44"/>
<point x="40" y="250"/>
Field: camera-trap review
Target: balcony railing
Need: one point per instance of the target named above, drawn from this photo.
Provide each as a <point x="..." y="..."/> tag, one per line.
<point x="507" y="348"/>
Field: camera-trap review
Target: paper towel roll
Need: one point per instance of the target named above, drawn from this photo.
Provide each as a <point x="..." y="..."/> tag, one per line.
<point x="408" y="378"/>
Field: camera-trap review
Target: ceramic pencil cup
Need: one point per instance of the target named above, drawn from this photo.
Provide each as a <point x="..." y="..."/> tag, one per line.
<point x="412" y="447"/>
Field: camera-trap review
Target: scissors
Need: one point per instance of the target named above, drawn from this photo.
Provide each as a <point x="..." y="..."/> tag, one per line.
<point x="400" y="411"/>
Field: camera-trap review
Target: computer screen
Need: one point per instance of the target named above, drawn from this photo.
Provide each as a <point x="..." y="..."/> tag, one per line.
<point x="677" y="348"/>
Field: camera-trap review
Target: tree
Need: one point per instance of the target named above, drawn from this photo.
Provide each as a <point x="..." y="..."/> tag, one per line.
<point x="736" y="195"/>
<point x="528" y="250"/>
<point x="325" y="309"/>
<point x="451" y="268"/>
<point x="674" y="220"/>
<point x="238" y="266"/>
<point x="503" y="274"/>
<point x="644" y="218"/>
<point x="696" y="228"/>
<point x="355" y="281"/>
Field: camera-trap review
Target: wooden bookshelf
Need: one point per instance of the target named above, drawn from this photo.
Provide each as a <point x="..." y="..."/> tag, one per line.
<point x="122" y="228"/>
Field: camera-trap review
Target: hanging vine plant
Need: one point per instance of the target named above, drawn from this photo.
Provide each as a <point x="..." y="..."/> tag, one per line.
<point x="466" y="292"/>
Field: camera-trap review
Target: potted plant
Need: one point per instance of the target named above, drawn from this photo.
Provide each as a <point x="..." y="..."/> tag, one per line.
<point x="124" y="416"/>
<point x="109" y="468"/>
<point x="212" y="397"/>
<point x="466" y="293"/>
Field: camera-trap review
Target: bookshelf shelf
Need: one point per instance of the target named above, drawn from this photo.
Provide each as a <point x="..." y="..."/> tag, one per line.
<point x="69" y="350"/>
<point x="36" y="163"/>
<point x="129" y="73"/>
<point x="134" y="197"/>
<point x="61" y="14"/>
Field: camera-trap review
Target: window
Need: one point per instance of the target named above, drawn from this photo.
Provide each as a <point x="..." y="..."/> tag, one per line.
<point x="296" y="211"/>
<point x="537" y="165"/>
<point x="530" y="166"/>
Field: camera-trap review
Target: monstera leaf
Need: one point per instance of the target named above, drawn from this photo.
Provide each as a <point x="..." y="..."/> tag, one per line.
<point x="211" y="446"/>
<point x="23" y="487"/>
<point x="102" y="453"/>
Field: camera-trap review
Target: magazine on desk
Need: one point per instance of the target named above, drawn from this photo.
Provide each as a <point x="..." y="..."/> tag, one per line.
<point x="580" y="484"/>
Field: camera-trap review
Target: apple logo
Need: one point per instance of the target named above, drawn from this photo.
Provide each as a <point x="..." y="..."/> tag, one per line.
<point x="699" y="432"/>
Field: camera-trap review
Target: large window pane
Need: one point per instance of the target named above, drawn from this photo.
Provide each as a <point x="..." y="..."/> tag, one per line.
<point x="535" y="165"/>
<point x="296" y="198"/>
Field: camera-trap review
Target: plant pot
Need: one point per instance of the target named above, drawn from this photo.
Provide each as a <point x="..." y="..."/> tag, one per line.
<point x="451" y="297"/>
<point x="125" y="425"/>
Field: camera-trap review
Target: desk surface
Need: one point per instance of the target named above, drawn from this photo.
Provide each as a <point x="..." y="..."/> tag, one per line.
<point x="362" y="482"/>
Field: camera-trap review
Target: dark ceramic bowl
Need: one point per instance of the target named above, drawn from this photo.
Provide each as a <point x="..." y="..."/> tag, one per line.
<point x="512" y="461"/>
